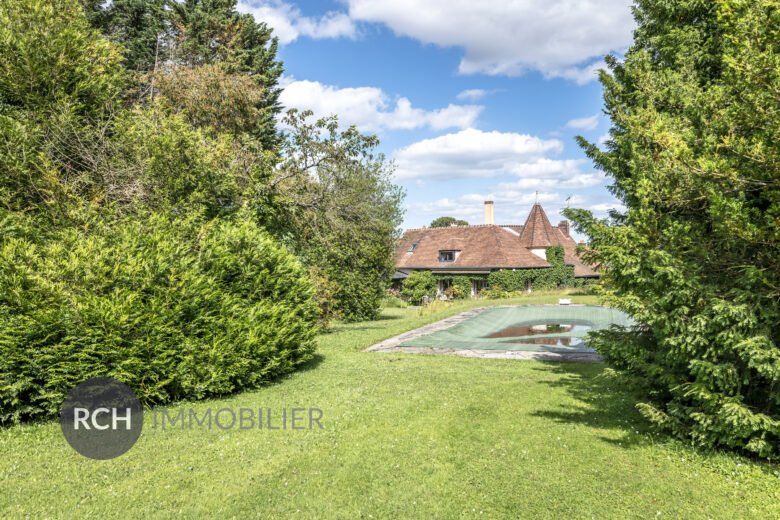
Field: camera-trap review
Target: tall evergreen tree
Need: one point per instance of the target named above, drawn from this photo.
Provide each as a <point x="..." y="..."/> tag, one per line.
<point x="142" y="27"/>
<point x="694" y="153"/>
<point x="213" y="32"/>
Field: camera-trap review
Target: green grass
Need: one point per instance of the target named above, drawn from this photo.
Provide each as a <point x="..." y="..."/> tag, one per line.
<point x="406" y="436"/>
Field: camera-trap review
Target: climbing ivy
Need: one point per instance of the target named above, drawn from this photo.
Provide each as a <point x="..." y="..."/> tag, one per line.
<point x="559" y="275"/>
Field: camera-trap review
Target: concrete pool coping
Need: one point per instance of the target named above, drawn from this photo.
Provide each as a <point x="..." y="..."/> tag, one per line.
<point x="393" y="344"/>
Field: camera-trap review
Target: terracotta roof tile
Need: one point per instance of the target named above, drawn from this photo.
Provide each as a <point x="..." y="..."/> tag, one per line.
<point x="489" y="246"/>
<point x="486" y="246"/>
<point x="537" y="230"/>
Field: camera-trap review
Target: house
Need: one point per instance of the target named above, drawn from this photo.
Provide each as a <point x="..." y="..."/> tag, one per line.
<point x="481" y="249"/>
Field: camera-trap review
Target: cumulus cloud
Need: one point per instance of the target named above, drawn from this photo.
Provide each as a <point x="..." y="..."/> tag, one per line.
<point x="289" y="23"/>
<point x="370" y="109"/>
<point x="474" y="153"/>
<point x="584" y="123"/>
<point x="511" y="206"/>
<point x="559" y="38"/>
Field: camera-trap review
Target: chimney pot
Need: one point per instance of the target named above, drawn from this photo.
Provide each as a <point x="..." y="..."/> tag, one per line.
<point x="489" y="212"/>
<point x="582" y="242"/>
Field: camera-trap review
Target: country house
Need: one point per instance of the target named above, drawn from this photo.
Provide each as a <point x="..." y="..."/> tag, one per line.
<point x="477" y="251"/>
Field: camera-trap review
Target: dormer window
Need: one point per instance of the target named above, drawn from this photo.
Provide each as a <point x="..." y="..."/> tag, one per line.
<point x="447" y="256"/>
<point x="412" y="248"/>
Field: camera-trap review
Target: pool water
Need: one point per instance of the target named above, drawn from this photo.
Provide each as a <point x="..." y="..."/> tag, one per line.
<point x="519" y="333"/>
<point x="537" y="328"/>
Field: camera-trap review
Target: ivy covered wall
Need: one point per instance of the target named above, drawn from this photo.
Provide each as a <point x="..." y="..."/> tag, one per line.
<point x="508" y="280"/>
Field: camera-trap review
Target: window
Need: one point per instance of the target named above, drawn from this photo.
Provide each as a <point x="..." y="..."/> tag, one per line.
<point x="481" y="284"/>
<point x="412" y="248"/>
<point x="446" y="256"/>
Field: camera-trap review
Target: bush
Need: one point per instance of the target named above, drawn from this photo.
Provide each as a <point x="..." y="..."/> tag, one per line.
<point x="170" y="306"/>
<point x="417" y="285"/>
<point x="393" y="300"/>
<point x="325" y="296"/>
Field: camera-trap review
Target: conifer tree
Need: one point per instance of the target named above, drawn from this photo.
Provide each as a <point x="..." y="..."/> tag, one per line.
<point x="693" y="152"/>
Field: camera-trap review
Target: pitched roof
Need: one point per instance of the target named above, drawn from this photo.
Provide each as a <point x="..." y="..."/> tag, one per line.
<point x="537" y="230"/>
<point x="490" y="246"/>
<point x="485" y="246"/>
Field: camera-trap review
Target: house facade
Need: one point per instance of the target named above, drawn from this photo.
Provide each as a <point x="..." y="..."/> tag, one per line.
<point x="476" y="251"/>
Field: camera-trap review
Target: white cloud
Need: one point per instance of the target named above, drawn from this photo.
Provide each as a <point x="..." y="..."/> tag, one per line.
<point x="511" y="207"/>
<point x="602" y="209"/>
<point x="584" y="123"/>
<point x="370" y="109"/>
<point x="574" y="181"/>
<point x="474" y="94"/>
<point x="603" y="140"/>
<point x="580" y="75"/>
<point x="559" y="38"/>
<point x="289" y="23"/>
<point x="474" y="153"/>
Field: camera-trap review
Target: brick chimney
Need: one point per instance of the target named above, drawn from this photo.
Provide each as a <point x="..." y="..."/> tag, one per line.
<point x="563" y="225"/>
<point x="488" y="212"/>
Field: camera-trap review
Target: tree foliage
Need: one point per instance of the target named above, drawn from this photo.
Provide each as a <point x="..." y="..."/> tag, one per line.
<point x="693" y="152"/>
<point x="175" y="307"/>
<point x="447" y="222"/>
<point x="417" y="285"/>
<point x="127" y="246"/>
<point x="341" y="210"/>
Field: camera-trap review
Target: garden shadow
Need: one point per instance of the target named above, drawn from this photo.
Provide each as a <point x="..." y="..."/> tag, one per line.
<point x="602" y="401"/>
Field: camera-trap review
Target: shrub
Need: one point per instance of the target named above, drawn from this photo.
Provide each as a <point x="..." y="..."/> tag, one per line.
<point x="325" y="296"/>
<point x="417" y="285"/>
<point x="393" y="299"/>
<point x="172" y="307"/>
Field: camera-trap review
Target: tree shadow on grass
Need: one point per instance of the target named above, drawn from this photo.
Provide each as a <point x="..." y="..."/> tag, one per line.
<point x="603" y="401"/>
<point x="361" y="325"/>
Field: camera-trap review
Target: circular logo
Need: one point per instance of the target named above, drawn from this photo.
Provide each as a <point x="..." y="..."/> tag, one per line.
<point x="101" y="418"/>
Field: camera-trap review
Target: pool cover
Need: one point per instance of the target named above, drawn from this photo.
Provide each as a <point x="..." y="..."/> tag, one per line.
<point x="541" y="328"/>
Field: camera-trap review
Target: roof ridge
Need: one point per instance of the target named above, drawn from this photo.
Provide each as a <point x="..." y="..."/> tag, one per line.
<point x="452" y="227"/>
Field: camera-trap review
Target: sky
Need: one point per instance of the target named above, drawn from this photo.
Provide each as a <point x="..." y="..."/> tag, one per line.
<point x="474" y="101"/>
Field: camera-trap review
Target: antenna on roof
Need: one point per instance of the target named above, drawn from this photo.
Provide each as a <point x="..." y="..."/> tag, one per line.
<point x="537" y="197"/>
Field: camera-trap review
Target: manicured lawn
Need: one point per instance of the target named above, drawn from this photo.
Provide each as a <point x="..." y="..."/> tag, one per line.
<point x="406" y="436"/>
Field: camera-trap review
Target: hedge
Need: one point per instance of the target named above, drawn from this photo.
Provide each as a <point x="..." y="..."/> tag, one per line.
<point x="174" y="308"/>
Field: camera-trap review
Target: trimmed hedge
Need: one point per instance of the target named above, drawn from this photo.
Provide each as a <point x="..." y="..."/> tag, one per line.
<point x="173" y="307"/>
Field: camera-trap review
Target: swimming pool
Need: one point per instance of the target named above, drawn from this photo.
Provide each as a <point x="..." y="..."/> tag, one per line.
<point x="541" y="328"/>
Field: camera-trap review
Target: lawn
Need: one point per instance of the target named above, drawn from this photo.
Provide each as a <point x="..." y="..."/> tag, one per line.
<point x="405" y="436"/>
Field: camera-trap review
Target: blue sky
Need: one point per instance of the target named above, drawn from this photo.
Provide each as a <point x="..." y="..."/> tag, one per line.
<point x="473" y="100"/>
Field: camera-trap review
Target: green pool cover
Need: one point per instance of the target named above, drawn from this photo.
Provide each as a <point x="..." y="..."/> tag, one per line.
<point x="542" y="328"/>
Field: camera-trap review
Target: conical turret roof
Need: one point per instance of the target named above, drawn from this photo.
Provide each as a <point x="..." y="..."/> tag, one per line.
<point x="537" y="231"/>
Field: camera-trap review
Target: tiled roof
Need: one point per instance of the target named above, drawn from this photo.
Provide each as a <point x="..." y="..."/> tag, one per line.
<point x="537" y="230"/>
<point x="489" y="246"/>
<point x="486" y="246"/>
